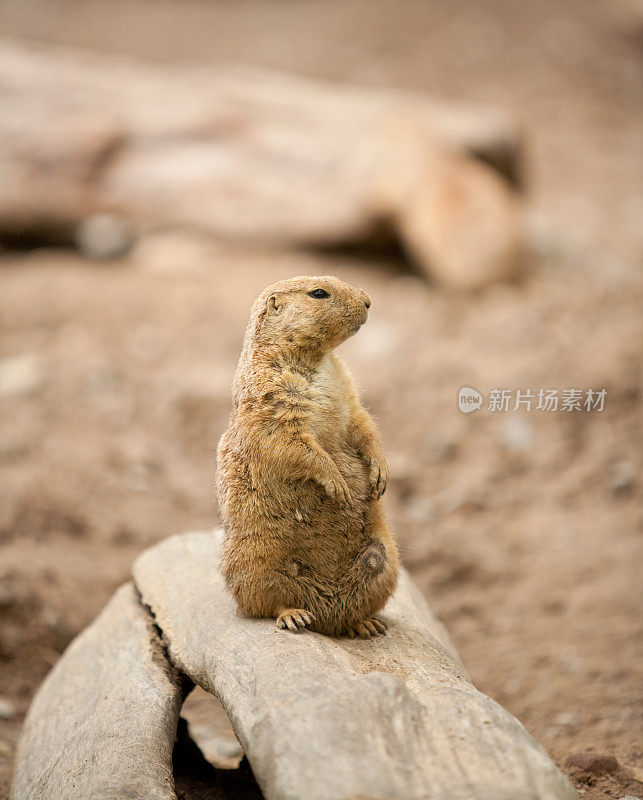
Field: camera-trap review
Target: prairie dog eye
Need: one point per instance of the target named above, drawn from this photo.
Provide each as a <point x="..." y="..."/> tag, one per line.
<point x="318" y="293"/>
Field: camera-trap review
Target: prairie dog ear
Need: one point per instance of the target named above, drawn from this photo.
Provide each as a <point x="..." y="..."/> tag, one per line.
<point x="275" y="304"/>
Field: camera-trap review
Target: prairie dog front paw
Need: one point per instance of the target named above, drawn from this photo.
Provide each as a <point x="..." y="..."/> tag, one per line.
<point x="377" y="474"/>
<point x="336" y="487"/>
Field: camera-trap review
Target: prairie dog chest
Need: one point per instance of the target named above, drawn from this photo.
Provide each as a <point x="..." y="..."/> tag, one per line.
<point x="332" y="413"/>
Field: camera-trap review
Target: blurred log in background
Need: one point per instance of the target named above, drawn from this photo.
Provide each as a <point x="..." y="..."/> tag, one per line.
<point x="251" y="154"/>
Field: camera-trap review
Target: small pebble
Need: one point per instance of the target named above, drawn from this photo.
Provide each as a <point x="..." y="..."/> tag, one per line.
<point x="21" y="374"/>
<point x="622" y="476"/>
<point x="420" y="509"/>
<point x="7" y="708"/>
<point x="567" y="718"/>
<point x="104" y="236"/>
<point x="516" y="434"/>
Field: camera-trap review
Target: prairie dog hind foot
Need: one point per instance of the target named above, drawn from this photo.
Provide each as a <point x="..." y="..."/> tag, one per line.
<point x="294" y="619"/>
<point x="367" y="628"/>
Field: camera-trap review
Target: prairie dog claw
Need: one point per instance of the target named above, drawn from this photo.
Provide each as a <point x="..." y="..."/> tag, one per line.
<point x="367" y="628"/>
<point x="294" y="618"/>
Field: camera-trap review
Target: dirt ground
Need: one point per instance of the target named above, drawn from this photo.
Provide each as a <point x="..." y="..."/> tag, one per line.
<point x="522" y="528"/>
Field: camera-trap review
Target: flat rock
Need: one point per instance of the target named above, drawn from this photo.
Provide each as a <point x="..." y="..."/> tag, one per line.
<point x="103" y="723"/>
<point x="7" y="708"/>
<point x="393" y="718"/>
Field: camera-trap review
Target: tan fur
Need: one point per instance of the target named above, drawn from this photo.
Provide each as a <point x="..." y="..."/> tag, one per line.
<point x="301" y="469"/>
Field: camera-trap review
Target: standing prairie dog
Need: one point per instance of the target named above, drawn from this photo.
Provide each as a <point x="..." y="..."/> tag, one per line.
<point x="301" y="469"/>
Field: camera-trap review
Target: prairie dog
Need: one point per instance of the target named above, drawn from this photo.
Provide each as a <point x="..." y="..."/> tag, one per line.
<point x="301" y="469"/>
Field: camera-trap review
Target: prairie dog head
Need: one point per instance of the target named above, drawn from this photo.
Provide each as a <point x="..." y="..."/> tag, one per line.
<point x="315" y="313"/>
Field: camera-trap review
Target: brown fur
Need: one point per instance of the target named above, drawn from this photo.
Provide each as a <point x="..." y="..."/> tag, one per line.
<point x="301" y="469"/>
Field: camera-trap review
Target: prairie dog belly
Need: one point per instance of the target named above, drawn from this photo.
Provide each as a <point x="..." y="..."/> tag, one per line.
<point x="331" y="421"/>
<point x="252" y="503"/>
<point x="310" y="496"/>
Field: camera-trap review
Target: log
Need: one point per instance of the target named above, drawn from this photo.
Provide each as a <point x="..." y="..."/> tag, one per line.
<point x="103" y="723"/>
<point x="331" y="719"/>
<point x="392" y="718"/>
<point x="251" y="154"/>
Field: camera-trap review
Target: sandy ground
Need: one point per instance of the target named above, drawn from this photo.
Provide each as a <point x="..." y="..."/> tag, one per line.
<point x="523" y="528"/>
